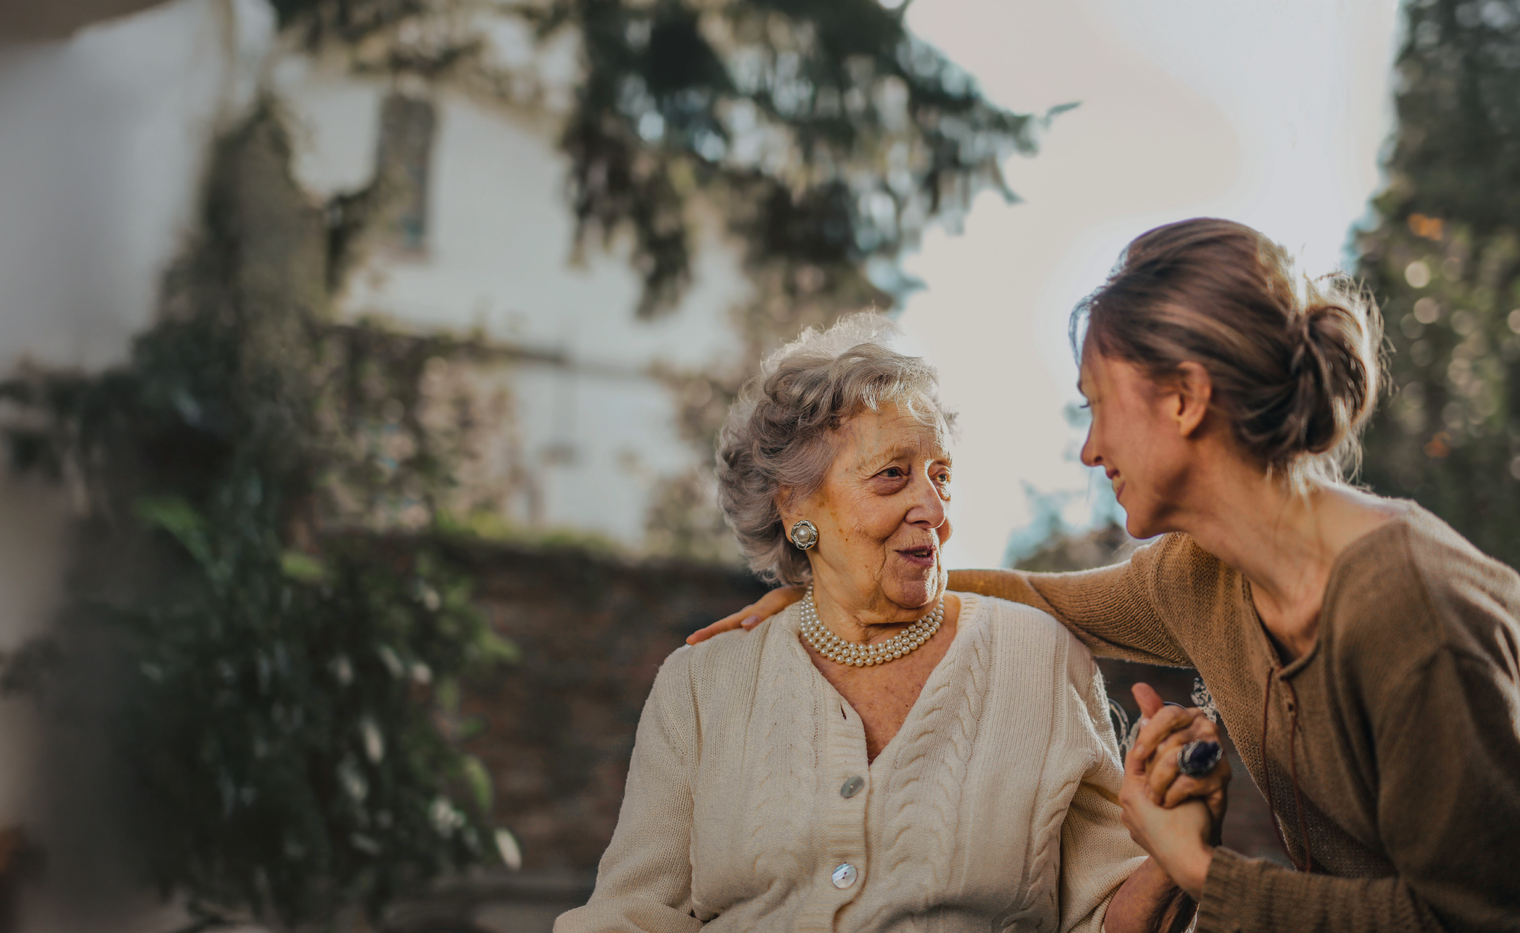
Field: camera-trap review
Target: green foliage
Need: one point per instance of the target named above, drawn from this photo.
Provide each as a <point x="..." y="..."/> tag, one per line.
<point x="827" y="134"/>
<point x="283" y="731"/>
<point x="288" y="718"/>
<point x="281" y="745"/>
<point x="1445" y="265"/>
<point x="831" y="134"/>
<point x="822" y="136"/>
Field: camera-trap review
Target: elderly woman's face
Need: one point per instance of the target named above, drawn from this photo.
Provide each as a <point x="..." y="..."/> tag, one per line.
<point x="881" y="513"/>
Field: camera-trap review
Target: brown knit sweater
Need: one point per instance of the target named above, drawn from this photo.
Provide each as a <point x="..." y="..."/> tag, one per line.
<point x="1390" y="751"/>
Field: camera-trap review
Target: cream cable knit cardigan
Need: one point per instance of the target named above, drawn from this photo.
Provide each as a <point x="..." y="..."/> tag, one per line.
<point x="994" y="808"/>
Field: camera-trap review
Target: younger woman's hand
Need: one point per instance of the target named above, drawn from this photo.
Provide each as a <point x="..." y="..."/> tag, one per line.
<point x="1178" y="839"/>
<point x="1166" y="730"/>
<point x="751" y="615"/>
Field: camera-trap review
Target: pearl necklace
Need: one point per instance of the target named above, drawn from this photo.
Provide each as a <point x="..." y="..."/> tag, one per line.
<point x="836" y="649"/>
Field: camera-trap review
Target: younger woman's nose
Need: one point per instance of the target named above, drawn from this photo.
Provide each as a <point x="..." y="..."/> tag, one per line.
<point x="1090" y="456"/>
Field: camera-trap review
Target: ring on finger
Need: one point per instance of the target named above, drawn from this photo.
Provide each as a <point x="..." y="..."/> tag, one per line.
<point x="1199" y="757"/>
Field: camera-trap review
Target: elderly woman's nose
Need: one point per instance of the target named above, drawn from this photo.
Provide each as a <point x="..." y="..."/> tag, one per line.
<point x="929" y="504"/>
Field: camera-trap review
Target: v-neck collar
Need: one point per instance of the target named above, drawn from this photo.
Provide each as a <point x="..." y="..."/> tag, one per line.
<point x="969" y="619"/>
<point x="1338" y="567"/>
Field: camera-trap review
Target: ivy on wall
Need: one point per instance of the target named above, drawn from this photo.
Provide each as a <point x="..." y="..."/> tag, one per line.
<point x="821" y="137"/>
<point x="280" y="702"/>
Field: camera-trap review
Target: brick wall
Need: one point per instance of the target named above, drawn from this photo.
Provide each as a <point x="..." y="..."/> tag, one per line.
<point x="559" y="726"/>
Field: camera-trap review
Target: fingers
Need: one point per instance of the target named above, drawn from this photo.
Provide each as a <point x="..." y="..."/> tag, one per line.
<point x="1161" y="723"/>
<point x="751" y="615"/>
<point x="1164" y="777"/>
<point x="1211" y="786"/>
<point x="775" y="601"/>
<point x="725" y="624"/>
<point x="1149" y="700"/>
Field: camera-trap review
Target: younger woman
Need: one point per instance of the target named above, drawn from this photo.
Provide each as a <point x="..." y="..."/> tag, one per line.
<point x="1365" y="657"/>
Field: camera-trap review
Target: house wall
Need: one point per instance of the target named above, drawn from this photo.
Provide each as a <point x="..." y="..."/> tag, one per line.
<point x="104" y="139"/>
<point x="594" y="432"/>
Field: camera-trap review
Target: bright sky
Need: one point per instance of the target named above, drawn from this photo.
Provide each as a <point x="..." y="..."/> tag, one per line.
<point x="1267" y="113"/>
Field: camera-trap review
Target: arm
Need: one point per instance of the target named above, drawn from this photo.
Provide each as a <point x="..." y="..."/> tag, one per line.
<point x="1105" y="886"/>
<point x="1448" y="755"/>
<point x="643" y="884"/>
<point x="1112" y="609"/>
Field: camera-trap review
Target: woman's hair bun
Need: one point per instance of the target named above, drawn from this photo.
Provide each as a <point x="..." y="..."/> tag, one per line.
<point x="1295" y="364"/>
<point x="1334" y="376"/>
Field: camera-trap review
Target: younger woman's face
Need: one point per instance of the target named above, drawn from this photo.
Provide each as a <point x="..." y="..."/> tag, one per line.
<point x="1135" y="438"/>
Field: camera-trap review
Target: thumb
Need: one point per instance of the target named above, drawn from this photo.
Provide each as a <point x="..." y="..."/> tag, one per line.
<point x="1148" y="698"/>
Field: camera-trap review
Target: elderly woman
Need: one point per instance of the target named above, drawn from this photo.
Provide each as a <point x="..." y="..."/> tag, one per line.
<point x="889" y="756"/>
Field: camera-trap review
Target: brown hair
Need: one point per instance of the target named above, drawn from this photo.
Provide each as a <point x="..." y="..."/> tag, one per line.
<point x="1295" y="371"/>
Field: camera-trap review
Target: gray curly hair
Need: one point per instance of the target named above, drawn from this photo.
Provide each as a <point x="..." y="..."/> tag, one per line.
<point x="781" y="433"/>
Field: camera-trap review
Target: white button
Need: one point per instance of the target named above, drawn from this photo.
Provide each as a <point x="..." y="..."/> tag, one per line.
<point x="852" y="786"/>
<point x="844" y="875"/>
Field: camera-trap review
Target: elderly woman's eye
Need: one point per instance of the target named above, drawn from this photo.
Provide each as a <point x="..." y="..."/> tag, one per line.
<point x="892" y="473"/>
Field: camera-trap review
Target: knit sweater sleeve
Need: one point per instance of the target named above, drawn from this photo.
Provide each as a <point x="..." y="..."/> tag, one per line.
<point x="1116" y="611"/>
<point x="1448" y="809"/>
<point x="643" y="884"/>
<point x="1097" y="853"/>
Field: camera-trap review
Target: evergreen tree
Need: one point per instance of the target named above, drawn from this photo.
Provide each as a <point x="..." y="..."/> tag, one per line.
<point x="1444" y="263"/>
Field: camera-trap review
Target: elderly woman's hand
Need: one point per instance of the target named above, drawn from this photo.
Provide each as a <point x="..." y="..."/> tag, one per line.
<point x="1166" y="729"/>
<point x="751" y="615"/>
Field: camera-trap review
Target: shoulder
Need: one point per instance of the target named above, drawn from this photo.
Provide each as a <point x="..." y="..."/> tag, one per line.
<point x="671" y="696"/>
<point x="739" y="648"/>
<point x="1416" y="582"/>
<point x="725" y="670"/>
<point x="1033" y="635"/>
<point x="1175" y="564"/>
<point x="1009" y="619"/>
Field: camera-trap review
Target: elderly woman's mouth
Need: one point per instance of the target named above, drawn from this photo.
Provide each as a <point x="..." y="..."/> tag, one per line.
<point x="923" y="556"/>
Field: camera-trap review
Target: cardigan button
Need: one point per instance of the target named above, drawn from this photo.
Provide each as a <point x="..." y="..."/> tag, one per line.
<point x="852" y="786"/>
<point x="844" y="875"/>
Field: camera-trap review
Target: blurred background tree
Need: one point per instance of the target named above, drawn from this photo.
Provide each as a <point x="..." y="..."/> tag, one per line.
<point x="1444" y="261"/>
<point x="823" y="137"/>
<point x="266" y="487"/>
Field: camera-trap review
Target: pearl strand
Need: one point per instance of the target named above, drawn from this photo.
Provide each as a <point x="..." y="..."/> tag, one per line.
<point x="836" y="649"/>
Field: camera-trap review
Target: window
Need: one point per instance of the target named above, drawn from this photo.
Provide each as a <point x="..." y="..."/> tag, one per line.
<point x="407" y="127"/>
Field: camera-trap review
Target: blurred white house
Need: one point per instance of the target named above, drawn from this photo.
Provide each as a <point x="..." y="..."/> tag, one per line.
<point x="107" y="119"/>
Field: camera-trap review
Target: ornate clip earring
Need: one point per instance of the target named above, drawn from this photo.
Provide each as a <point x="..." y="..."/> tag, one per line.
<point x="804" y="534"/>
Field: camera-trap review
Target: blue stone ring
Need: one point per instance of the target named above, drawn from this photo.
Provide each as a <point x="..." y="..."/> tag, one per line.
<point x="1197" y="758"/>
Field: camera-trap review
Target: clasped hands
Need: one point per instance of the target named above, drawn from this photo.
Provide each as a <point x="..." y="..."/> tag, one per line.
<point x="1175" y="818"/>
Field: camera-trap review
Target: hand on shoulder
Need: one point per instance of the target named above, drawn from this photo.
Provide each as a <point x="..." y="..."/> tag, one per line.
<point x="752" y="615"/>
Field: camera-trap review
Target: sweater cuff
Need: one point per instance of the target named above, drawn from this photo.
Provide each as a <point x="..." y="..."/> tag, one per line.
<point x="1231" y="882"/>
